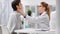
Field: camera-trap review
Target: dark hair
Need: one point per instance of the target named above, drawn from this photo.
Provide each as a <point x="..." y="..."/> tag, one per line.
<point x="47" y="8"/>
<point x="14" y="3"/>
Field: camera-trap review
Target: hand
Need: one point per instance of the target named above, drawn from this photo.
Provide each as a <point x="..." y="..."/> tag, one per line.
<point x="22" y="13"/>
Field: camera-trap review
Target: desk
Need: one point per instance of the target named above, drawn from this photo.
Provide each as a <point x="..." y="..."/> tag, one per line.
<point x="29" y="30"/>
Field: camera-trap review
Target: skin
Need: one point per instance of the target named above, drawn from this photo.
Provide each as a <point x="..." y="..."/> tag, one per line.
<point x="20" y="9"/>
<point x="41" y="9"/>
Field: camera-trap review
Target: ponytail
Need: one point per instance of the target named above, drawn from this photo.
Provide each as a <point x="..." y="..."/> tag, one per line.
<point x="48" y="11"/>
<point x="47" y="8"/>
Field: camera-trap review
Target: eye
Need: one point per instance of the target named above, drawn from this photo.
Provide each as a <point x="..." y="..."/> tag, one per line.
<point x="40" y="6"/>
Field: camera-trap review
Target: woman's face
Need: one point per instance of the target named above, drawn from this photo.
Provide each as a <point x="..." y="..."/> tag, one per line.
<point x="41" y="9"/>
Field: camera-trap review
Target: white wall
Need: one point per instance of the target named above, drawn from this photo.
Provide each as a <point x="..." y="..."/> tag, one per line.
<point x="5" y="10"/>
<point x="35" y="2"/>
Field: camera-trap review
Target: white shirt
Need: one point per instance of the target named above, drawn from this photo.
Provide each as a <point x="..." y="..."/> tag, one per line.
<point x="43" y="21"/>
<point x="14" y="21"/>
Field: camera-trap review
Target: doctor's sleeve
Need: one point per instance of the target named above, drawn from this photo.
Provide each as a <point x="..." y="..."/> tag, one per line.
<point x="43" y="20"/>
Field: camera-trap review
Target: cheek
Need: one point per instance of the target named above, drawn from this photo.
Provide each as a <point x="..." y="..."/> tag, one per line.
<point x="40" y="8"/>
<point x="20" y="7"/>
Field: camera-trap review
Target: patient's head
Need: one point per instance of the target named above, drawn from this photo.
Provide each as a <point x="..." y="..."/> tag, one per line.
<point x="16" y="5"/>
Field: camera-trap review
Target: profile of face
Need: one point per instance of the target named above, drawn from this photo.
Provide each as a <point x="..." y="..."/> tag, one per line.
<point x="19" y="7"/>
<point x="41" y="9"/>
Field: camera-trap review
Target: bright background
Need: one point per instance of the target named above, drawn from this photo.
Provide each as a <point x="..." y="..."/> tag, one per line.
<point x="5" y="8"/>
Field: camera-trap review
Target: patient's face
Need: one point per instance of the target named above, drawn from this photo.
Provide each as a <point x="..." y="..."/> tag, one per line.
<point x="19" y="7"/>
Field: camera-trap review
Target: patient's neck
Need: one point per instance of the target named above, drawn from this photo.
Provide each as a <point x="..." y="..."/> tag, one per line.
<point x="18" y="11"/>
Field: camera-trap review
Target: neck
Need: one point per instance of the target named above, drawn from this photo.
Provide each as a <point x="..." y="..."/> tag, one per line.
<point x="18" y="11"/>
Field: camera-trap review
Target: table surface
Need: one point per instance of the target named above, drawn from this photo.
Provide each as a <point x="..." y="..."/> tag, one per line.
<point x="30" y="30"/>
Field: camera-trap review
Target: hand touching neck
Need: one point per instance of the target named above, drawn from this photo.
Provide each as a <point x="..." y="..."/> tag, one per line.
<point x="21" y="12"/>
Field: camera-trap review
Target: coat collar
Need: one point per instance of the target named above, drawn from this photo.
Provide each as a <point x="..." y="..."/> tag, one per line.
<point x="43" y="13"/>
<point x="17" y="12"/>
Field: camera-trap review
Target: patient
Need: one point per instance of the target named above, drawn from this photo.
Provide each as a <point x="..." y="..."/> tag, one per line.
<point x="15" y="22"/>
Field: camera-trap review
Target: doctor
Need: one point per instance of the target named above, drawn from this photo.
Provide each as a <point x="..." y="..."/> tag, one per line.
<point x="15" y="22"/>
<point x="42" y="20"/>
<point x="44" y="16"/>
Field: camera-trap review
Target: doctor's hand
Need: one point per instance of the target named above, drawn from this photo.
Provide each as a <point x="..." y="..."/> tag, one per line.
<point x="23" y="13"/>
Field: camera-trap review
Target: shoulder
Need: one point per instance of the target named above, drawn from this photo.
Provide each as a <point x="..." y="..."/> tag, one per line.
<point x="45" y="15"/>
<point x="13" y="14"/>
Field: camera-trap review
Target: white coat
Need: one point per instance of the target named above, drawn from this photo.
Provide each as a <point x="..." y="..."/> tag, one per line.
<point x="14" y="21"/>
<point x="42" y="21"/>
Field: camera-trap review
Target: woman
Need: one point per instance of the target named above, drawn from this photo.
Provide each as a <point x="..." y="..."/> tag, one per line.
<point x="42" y="20"/>
<point x="44" y="17"/>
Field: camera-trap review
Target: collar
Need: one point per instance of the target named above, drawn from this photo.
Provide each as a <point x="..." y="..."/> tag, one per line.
<point x="43" y="13"/>
<point x="17" y="12"/>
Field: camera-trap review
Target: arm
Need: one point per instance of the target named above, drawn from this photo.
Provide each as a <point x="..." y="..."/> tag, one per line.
<point x="11" y="23"/>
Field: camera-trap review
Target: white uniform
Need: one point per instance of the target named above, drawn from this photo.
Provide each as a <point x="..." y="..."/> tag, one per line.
<point x="14" y="21"/>
<point x="42" y="21"/>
